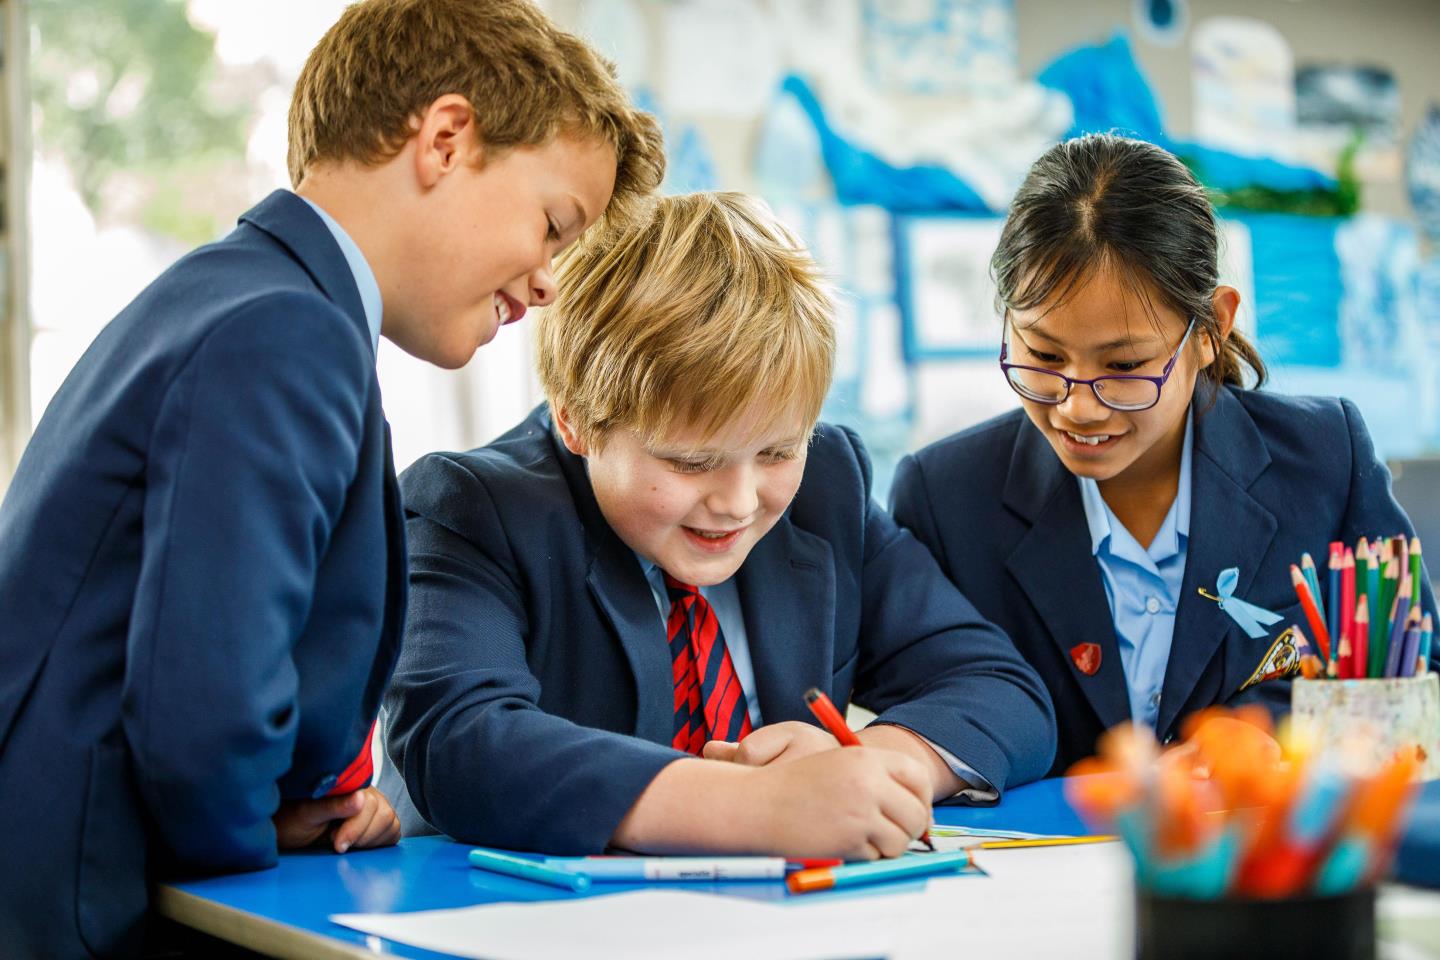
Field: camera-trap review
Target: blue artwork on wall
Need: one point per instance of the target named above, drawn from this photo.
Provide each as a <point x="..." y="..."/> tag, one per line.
<point x="861" y="176"/>
<point x="1297" y="288"/>
<point x="940" y="46"/>
<point x="1422" y="173"/>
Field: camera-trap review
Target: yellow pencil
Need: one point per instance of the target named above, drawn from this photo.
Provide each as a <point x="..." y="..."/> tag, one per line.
<point x="1044" y="842"/>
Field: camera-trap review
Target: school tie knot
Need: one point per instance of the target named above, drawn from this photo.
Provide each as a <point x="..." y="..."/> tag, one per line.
<point x="680" y="591"/>
<point x="709" y="701"/>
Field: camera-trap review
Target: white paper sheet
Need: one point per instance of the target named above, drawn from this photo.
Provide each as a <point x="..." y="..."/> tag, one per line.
<point x="641" y="925"/>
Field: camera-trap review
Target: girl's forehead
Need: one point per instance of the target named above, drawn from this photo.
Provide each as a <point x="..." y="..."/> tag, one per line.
<point x="1100" y="312"/>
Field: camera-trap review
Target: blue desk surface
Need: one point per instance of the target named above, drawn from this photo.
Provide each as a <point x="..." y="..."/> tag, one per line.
<point x="428" y="873"/>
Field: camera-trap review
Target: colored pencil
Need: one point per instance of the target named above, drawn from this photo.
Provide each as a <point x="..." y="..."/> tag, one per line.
<point x="1410" y="645"/>
<point x="1312" y="580"/>
<point x="1360" y="653"/>
<point x="1310" y="666"/>
<point x="1387" y="589"/>
<point x="1348" y="603"/>
<point x="1396" y="640"/>
<point x="1417" y="572"/>
<point x="1372" y="591"/>
<point x="1333" y="602"/>
<point x="1046" y="842"/>
<point x="1312" y="612"/>
<point x="1385" y="614"/>
<point x="1345" y="661"/>
<point x="1427" y="636"/>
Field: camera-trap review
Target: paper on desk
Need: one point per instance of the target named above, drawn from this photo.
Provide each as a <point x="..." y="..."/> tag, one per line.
<point x="1073" y="902"/>
<point x="659" y="924"/>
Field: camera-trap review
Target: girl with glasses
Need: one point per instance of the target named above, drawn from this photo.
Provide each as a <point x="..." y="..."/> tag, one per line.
<point x="1143" y="462"/>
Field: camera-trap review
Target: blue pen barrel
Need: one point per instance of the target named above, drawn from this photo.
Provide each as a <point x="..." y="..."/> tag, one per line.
<point x="510" y="866"/>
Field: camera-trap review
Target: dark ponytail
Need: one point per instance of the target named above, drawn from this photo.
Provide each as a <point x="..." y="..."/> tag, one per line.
<point x="1102" y="200"/>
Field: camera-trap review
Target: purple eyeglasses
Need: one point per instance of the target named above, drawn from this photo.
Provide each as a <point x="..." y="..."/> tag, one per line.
<point x="1124" y="392"/>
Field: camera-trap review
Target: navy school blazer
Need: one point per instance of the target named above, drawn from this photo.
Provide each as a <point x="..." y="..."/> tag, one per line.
<point x="532" y="702"/>
<point x="1274" y="477"/>
<point x="202" y="579"/>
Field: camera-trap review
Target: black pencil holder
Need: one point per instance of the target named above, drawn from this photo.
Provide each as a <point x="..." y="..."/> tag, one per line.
<point x="1312" y="927"/>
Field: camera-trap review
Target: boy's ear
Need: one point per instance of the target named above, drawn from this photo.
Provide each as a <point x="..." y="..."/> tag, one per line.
<point x="447" y="138"/>
<point x="1226" y="302"/>
<point x="571" y="439"/>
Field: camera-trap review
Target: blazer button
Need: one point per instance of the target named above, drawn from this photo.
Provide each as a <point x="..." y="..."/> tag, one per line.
<point x="324" y="785"/>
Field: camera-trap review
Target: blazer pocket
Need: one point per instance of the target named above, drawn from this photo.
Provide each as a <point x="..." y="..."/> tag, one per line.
<point x="110" y="892"/>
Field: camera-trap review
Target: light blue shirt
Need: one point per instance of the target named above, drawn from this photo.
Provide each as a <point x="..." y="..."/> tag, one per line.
<point x="364" y="277"/>
<point x="724" y="599"/>
<point x="1142" y="585"/>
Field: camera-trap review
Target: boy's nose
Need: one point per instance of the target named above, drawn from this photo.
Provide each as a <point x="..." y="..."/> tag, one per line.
<point x="542" y="288"/>
<point x="734" y="495"/>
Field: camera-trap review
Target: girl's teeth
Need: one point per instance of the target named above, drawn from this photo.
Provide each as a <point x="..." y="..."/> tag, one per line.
<point x="502" y="309"/>
<point x="1089" y="441"/>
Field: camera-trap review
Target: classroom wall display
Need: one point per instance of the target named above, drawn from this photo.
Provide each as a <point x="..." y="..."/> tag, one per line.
<point x="620" y="30"/>
<point x="1337" y="103"/>
<point x="1379" y="320"/>
<point x="1422" y="173"/>
<point x="721" y="57"/>
<point x="1297" y="288"/>
<point x="944" y="288"/>
<point x="1243" y="86"/>
<point x="1161" y="22"/>
<point x="689" y="166"/>
<point x="940" y="46"/>
<point x="870" y="129"/>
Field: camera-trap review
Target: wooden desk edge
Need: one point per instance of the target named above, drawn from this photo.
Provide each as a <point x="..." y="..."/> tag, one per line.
<point x="250" y="930"/>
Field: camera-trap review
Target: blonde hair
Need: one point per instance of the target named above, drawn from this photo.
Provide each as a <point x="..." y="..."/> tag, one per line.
<point x="384" y="61"/>
<point x="699" y="309"/>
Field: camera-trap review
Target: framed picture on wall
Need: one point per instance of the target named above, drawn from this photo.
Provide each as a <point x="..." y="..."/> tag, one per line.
<point x="943" y="285"/>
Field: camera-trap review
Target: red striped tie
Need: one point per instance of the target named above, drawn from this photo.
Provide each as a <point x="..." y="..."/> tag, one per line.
<point x="709" y="703"/>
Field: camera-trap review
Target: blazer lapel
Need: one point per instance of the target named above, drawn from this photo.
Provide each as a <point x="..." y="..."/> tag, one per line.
<point x="787" y="590"/>
<point x="1228" y="528"/>
<point x="1056" y="569"/>
<point x="617" y="582"/>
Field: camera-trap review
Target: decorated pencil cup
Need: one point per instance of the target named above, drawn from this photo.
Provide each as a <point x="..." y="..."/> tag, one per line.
<point x="1376" y="718"/>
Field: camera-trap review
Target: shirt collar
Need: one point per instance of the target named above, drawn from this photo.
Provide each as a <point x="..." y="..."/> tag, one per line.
<point x="1177" y="521"/>
<point x="364" y="277"/>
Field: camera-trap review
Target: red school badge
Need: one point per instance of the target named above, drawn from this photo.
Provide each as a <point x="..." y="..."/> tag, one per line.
<point x="1086" y="657"/>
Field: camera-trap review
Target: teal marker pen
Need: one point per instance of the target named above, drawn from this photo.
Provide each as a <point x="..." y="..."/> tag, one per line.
<point x="1343" y="870"/>
<point x="528" y="870"/>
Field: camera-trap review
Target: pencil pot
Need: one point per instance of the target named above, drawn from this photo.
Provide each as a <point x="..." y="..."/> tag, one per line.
<point x="1376" y="718"/>
<point x="1181" y="928"/>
